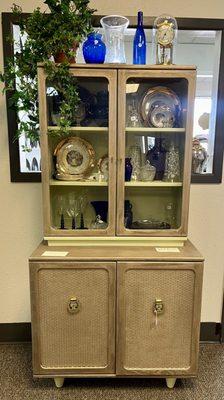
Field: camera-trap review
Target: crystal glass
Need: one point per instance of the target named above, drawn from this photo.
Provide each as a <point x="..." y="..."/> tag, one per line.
<point x="172" y="165"/>
<point x="98" y="223"/>
<point x="147" y="172"/>
<point x="114" y="27"/>
<point x="170" y="214"/>
<point x="135" y="155"/>
<point x="83" y="200"/>
<point x="133" y="118"/>
<point x="73" y="208"/>
<point x="60" y="203"/>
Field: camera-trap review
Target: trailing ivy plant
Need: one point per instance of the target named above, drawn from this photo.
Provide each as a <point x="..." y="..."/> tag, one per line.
<point x="43" y="36"/>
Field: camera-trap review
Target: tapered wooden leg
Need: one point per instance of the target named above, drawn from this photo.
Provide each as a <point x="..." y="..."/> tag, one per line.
<point x="170" y="382"/>
<point x="59" y="382"/>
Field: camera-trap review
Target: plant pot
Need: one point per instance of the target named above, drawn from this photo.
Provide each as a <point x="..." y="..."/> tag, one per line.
<point x="60" y="56"/>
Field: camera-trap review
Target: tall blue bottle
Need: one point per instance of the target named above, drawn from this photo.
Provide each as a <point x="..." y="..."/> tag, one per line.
<point x="139" y="44"/>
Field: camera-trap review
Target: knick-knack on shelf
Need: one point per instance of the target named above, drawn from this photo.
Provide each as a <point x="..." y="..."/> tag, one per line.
<point x="139" y="43"/>
<point x="157" y="157"/>
<point x="94" y="49"/>
<point x="128" y="169"/>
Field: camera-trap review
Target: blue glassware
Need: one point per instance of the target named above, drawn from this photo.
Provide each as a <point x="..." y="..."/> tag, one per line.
<point x="94" y="49"/>
<point x="139" y="44"/>
<point x="128" y="169"/>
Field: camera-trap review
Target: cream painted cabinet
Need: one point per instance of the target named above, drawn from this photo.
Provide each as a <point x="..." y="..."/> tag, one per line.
<point x="158" y="318"/>
<point x="116" y="285"/>
<point x="155" y="306"/>
<point x="73" y="317"/>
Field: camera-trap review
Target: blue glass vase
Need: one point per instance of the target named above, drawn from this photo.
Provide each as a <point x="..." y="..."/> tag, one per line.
<point x="139" y="44"/>
<point x="94" y="49"/>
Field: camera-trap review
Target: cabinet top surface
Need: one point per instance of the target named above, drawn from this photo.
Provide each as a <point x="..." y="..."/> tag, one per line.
<point x="131" y="66"/>
<point x="117" y="253"/>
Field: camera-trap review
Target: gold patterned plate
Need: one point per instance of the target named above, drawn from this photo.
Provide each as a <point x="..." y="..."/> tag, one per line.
<point x="103" y="165"/>
<point x="159" y="96"/>
<point x="75" y="159"/>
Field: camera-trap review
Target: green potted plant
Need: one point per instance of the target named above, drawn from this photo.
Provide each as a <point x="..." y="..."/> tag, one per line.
<point x="50" y="37"/>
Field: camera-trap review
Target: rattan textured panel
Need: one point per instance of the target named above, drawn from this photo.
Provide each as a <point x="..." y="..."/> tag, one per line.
<point x="73" y="340"/>
<point x="166" y="345"/>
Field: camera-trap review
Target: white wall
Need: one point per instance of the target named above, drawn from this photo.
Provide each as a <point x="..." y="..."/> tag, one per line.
<point x="21" y="215"/>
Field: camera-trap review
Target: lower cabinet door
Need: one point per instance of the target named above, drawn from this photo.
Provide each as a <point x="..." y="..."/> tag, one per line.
<point x="158" y="318"/>
<point x="73" y="317"/>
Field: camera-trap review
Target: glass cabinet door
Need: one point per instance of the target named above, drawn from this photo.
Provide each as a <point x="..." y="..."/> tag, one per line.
<point x="155" y="110"/>
<point x="79" y="166"/>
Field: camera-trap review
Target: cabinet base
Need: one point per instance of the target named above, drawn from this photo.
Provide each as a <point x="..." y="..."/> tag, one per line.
<point x="59" y="382"/>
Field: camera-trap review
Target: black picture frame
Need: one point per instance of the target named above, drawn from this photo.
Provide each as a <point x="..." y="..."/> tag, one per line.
<point x="8" y="20"/>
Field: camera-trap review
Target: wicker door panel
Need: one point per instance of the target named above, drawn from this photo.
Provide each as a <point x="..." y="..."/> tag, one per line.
<point x="80" y="340"/>
<point x="156" y="344"/>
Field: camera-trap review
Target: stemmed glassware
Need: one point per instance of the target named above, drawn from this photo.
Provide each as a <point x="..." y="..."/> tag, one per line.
<point x="61" y="207"/>
<point x="73" y="208"/>
<point x="83" y="200"/>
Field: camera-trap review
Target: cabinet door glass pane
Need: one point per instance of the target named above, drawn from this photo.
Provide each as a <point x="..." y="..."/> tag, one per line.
<point x="156" y="112"/>
<point x="79" y="165"/>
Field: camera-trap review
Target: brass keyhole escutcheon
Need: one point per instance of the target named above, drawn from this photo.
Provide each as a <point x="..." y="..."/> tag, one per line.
<point x="158" y="306"/>
<point x="73" y="305"/>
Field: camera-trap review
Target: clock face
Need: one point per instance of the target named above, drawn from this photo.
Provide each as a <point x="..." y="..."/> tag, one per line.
<point x="165" y="34"/>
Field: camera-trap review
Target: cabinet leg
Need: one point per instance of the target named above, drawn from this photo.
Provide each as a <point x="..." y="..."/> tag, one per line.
<point x="59" y="382"/>
<point x="170" y="382"/>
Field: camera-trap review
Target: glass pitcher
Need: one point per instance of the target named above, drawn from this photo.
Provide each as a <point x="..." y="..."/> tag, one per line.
<point x="114" y="27"/>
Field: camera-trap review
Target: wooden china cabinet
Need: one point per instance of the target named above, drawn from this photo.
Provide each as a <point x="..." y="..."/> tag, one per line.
<point x="116" y="285"/>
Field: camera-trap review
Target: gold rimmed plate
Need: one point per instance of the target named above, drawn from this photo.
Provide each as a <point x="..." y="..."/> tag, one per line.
<point x="75" y="159"/>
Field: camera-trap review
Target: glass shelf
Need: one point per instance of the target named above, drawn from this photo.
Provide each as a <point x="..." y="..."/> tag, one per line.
<point x="152" y="184"/>
<point x="145" y="130"/>
<point x="54" y="182"/>
<point x="93" y="129"/>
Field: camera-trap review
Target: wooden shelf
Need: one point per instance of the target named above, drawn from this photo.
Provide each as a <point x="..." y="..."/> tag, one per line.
<point x="153" y="184"/>
<point x="144" y="130"/>
<point x="54" y="182"/>
<point x="101" y="129"/>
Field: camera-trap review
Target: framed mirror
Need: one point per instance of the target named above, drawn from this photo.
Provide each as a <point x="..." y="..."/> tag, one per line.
<point x="200" y="42"/>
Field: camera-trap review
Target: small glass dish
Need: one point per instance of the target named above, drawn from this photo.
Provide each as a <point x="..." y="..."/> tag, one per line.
<point x="147" y="172"/>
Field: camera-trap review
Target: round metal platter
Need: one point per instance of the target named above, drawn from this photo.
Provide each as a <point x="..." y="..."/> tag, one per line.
<point x="158" y="95"/>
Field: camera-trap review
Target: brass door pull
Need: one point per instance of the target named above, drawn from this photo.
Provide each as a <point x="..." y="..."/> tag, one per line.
<point x="158" y="307"/>
<point x="73" y="305"/>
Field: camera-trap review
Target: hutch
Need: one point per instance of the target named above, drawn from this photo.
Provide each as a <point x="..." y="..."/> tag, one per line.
<point x="116" y="285"/>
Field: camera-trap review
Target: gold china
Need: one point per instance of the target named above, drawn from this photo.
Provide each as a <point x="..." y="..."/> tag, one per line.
<point x="75" y="159"/>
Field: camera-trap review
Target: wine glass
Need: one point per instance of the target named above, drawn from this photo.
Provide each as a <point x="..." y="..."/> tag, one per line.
<point x="60" y="202"/>
<point x="73" y="208"/>
<point x="83" y="200"/>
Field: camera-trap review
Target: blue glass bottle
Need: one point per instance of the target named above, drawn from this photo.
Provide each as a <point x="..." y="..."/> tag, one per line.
<point x="139" y="44"/>
<point x="94" y="49"/>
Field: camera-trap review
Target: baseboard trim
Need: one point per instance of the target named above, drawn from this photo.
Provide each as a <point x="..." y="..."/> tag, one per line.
<point x="15" y="332"/>
<point x="21" y="332"/>
<point x="210" y="332"/>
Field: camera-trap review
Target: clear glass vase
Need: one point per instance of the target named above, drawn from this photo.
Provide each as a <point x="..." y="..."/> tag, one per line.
<point x="114" y="27"/>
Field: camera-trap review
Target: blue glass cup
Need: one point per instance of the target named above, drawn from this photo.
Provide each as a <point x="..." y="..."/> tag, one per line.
<point x="94" y="49"/>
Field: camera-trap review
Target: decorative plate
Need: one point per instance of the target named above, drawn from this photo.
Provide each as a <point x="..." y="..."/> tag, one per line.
<point x="103" y="165"/>
<point x="75" y="159"/>
<point x="159" y="96"/>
